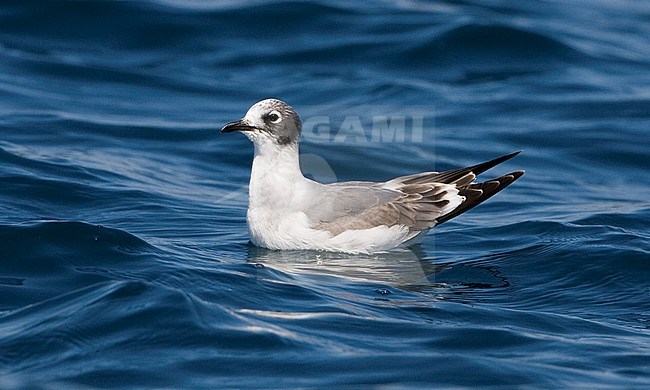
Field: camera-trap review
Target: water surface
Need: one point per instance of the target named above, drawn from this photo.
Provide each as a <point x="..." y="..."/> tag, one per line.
<point x="124" y="256"/>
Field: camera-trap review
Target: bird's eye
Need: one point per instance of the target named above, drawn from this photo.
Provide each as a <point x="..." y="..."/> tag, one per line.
<point x="274" y="116"/>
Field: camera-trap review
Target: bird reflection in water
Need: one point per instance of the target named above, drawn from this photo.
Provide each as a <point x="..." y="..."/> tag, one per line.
<point x="408" y="269"/>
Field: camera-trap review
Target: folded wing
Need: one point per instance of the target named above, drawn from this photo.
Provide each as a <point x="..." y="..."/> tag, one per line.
<point x="418" y="201"/>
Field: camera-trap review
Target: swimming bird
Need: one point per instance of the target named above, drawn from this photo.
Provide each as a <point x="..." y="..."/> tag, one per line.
<point x="288" y="211"/>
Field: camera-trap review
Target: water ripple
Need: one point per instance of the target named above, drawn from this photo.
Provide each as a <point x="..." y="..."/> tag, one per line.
<point x="124" y="253"/>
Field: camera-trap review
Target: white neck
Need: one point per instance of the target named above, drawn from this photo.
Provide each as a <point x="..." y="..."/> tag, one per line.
<point x="275" y="174"/>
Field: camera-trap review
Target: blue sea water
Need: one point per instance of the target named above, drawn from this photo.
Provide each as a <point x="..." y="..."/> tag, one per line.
<point x="124" y="255"/>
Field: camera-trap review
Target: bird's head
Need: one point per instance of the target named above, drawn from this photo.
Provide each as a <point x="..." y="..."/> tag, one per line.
<point x="269" y="120"/>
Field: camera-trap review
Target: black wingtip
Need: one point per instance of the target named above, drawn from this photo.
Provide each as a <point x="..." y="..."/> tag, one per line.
<point x="487" y="189"/>
<point x="480" y="168"/>
<point x="450" y="176"/>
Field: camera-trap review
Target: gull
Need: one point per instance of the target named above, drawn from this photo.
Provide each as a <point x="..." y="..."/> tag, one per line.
<point x="287" y="211"/>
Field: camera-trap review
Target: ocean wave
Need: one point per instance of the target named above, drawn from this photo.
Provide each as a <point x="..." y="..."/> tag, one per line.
<point x="492" y="46"/>
<point x="124" y="254"/>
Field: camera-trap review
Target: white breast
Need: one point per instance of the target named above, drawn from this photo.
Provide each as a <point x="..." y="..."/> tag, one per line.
<point x="278" y="197"/>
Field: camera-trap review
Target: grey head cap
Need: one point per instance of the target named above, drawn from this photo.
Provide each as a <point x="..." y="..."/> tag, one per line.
<point x="269" y="118"/>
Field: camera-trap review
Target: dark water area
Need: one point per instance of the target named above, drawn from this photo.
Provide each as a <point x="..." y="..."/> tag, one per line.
<point x="124" y="254"/>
